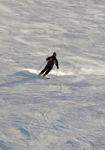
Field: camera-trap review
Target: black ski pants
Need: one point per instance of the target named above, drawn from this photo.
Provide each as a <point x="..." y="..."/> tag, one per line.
<point x="46" y="70"/>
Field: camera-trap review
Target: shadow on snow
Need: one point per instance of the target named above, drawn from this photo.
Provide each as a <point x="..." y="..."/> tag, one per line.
<point x="20" y="77"/>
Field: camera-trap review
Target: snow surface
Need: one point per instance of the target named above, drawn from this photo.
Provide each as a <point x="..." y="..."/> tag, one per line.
<point x="66" y="112"/>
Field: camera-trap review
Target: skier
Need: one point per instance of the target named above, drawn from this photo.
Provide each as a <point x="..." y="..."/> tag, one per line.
<point x="51" y="60"/>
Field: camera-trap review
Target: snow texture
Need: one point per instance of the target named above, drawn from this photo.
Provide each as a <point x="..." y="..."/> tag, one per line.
<point x="66" y="112"/>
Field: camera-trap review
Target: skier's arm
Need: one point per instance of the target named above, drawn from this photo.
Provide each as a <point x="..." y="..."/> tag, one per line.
<point x="56" y="63"/>
<point x="48" y="58"/>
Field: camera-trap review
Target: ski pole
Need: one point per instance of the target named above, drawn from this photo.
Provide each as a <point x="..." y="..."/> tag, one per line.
<point x="57" y="73"/>
<point x="41" y="65"/>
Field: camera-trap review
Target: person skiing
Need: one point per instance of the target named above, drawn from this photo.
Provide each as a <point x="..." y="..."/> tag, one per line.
<point x="51" y="60"/>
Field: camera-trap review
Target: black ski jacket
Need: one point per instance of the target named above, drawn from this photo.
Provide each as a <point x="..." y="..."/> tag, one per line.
<point x="51" y="61"/>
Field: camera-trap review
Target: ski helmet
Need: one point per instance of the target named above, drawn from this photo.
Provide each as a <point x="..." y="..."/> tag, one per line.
<point x="54" y="54"/>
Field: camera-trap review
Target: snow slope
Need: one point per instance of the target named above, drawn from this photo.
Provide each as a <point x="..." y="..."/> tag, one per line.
<point x="66" y="112"/>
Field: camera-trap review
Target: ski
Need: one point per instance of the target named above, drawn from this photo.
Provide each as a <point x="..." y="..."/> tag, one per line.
<point x="43" y="77"/>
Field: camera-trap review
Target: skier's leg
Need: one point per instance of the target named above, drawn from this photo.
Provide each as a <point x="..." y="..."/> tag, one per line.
<point x="47" y="71"/>
<point x="43" y="71"/>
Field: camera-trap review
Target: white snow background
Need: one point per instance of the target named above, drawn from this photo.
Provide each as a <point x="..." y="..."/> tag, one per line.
<point x="66" y="112"/>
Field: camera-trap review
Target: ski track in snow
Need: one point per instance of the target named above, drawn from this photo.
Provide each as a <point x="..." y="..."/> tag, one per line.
<point x="66" y="112"/>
